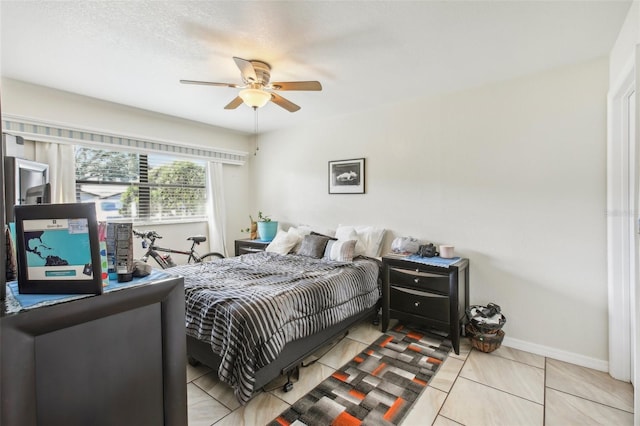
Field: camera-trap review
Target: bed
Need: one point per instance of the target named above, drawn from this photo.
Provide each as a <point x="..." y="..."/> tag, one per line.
<point x="257" y="316"/>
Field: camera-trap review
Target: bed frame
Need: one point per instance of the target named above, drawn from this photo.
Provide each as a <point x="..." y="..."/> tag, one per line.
<point x="292" y="354"/>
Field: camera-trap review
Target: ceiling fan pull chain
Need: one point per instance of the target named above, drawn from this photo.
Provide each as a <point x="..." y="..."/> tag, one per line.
<point x="255" y="129"/>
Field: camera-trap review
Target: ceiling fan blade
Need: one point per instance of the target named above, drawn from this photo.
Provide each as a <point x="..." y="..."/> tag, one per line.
<point x="209" y="83"/>
<point x="297" y="85"/>
<point x="246" y="69"/>
<point x="284" y="103"/>
<point x="235" y="103"/>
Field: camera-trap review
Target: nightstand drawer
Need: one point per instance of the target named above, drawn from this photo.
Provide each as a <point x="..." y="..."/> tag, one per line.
<point x="421" y="303"/>
<point x="250" y="246"/>
<point x="419" y="279"/>
<point x="248" y="249"/>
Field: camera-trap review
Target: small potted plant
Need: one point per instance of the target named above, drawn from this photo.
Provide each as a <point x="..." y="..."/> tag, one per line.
<point x="267" y="228"/>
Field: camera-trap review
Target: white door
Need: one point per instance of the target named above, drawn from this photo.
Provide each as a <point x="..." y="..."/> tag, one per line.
<point x="634" y="225"/>
<point x="622" y="226"/>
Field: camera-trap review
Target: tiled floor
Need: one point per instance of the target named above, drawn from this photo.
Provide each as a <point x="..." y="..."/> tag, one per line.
<point x="506" y="387"/>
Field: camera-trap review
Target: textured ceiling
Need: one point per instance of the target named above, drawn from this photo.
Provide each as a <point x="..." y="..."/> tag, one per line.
<point x="364" y="53"/>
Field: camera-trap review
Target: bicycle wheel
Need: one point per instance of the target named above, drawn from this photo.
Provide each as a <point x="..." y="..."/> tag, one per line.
<point x="210" y="256"/>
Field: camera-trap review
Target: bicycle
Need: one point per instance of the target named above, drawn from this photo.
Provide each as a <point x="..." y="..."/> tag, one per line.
<point x="165" y="261"/>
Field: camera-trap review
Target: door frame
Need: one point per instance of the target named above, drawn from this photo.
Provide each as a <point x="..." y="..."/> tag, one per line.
<point x="618" y="224"/>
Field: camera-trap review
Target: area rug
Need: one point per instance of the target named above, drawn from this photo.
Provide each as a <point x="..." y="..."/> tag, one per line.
<point x="377" y="387"/>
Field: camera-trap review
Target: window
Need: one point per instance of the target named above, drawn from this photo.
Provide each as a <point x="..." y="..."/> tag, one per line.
<point x="140" y="187"/>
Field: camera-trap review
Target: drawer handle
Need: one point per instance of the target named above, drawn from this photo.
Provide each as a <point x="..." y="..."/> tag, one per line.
<point x="416" y="304"/>
<point x="416" y="280"/>
<point x="419" y="293"/>
<point x="417" y="272"/>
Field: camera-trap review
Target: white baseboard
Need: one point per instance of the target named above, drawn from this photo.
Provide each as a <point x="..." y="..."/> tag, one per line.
<point x="570" y="357"/>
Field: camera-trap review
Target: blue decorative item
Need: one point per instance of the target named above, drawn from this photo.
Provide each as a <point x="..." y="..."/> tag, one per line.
<point x="267" y="230"/>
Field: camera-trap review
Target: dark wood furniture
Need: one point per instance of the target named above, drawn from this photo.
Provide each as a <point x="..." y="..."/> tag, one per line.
<point x="114" y="359"/>
<point x="250" y="246"/>
<point x="3" y="224"/>
<point x="431" y="296"/>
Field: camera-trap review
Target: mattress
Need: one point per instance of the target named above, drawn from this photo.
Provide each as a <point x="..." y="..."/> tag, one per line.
<point x="248" y="307"/>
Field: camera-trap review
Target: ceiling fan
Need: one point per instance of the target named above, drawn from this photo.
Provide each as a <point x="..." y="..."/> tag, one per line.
<point x="257" y="89"/>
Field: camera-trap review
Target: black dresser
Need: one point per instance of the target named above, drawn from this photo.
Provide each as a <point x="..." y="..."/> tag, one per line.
<point x="113" y="359"/>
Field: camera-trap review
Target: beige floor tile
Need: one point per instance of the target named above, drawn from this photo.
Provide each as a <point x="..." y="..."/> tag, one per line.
<point x="342" y="353"/>
<point x="195" y="372"/>
<point x="365" y="332"/>
<point x="218" y="390"/>
<point x="465" y="348"/>
<point x="323" y="350"/>
<point x="591" y="384"/>
<point x="447" y="374"/>
<point x="426" y="408"/>
<point x="562" y="409"/>
<point x="504" y="374"/>
<point x="309" y="378"/>
<point x="520" y="356"/>
<point x="260" y="410"/>
<point x="202" y="409"/>
<point x="443" y="421"/>
<point x="471" y="404"/>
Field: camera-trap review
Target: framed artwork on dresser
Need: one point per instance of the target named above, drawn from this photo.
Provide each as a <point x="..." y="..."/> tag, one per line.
<point x="58" y="249"/>
<point x="346" y="176"/>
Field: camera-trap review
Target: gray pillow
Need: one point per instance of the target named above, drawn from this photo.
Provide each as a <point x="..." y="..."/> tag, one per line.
<point x="313" y="246"/>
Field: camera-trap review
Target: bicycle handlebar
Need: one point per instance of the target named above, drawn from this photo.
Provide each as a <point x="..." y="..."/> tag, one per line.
<point x="148" y="234"/>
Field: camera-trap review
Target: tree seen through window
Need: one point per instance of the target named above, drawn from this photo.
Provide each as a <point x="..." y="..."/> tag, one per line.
<point x="140" y="186"/>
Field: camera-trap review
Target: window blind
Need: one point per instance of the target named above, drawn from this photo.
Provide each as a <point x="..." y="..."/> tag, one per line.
<point x="141" y="187"/>
<point x="32" y="129"/>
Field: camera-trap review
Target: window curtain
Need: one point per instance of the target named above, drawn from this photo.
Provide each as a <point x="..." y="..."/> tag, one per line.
<point x="217" y="208"/>
<point x="62" y="170"/>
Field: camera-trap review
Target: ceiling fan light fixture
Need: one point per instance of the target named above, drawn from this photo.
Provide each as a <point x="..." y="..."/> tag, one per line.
<point x="255" y="98"/>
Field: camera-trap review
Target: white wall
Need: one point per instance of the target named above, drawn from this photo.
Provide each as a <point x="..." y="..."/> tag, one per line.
<point x="50" y="105"/>
<point x="513" y="174"/>
<point x="623" y="51"/>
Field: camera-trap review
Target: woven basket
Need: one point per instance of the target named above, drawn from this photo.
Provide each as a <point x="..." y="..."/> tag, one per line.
<point x="485" y="342"/>
<point x="479" y="322"/>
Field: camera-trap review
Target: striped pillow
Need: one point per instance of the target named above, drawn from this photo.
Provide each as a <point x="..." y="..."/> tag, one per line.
<point x="342" y="251"/>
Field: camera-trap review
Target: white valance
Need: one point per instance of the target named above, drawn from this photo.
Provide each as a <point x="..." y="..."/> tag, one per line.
<point x="49" y="132"/>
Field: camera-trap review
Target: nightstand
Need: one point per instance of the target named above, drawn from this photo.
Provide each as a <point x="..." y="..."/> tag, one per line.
<point x="432" y="296"/>
<point x="250" y="246"/>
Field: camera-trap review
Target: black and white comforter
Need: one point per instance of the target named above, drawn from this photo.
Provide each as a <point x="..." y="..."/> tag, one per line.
<point x="249" y="307"/>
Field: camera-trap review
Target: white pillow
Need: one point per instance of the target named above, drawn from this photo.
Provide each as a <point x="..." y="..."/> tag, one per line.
<point x="342" y="251"/>
<point x="299" y="232"/>
<point x="347" y="233"/>
<point x="369" y="238"/>
<point x="282" y="243"/>
<point x="373" y="237"/>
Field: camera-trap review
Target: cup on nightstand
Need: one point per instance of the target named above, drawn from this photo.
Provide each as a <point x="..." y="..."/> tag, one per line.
<point x="446" y="251"/>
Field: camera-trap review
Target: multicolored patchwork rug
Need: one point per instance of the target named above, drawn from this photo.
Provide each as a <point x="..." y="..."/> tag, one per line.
<point x="377" y="387"/>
